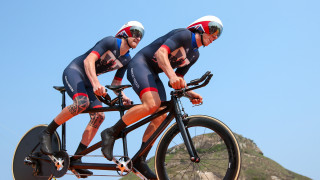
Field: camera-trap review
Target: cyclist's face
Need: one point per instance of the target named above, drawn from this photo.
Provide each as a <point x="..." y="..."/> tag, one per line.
<point x="134" y="41"/>
<point x="208" y="38"/>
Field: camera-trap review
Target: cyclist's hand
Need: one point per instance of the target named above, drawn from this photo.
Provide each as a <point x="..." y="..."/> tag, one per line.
<point x="195" y="98"/>
<point x="99" y="90"/>
<point x="177" y="83"/>
<point x="126" y="100"/>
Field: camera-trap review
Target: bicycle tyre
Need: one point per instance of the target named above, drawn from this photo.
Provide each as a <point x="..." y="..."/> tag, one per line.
<point x="172" y="160"/>
<point x="26" y="145"/>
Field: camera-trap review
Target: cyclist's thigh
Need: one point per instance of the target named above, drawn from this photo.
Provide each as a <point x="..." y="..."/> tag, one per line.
<point x="94" y="102"/>
<point x="161" y="89"/>
<point x="141" y="77"/>
<point x="73" y="82"/>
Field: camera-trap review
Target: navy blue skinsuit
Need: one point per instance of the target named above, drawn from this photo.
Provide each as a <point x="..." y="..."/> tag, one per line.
<point x="75" y="79"/>
<point x="143" y="69"/>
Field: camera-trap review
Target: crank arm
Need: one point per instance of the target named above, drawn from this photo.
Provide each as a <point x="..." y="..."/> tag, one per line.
<point x="75" y="173"/>
<point x="137" y="173"/>
<point x="57" y="163"/>
<point x="122" y="165"/>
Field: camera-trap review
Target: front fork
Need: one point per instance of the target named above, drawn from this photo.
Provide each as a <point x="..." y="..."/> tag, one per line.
<point x="184" y="131"/>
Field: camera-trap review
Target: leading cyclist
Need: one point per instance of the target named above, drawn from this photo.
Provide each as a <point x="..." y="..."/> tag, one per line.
<point x="81" y="83"/>
<point x="176" y="49"/>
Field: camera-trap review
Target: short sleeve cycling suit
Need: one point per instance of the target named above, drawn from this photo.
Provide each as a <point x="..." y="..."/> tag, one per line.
<point x="143" y="69"/>
<point x="75" y="79"/>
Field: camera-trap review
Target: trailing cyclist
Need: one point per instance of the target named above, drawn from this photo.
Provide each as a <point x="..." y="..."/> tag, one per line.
<point x="176" y="49"/>
<point x="81" y="83"/>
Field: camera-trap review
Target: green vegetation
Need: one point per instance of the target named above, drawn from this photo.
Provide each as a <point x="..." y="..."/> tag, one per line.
<point x="255" y="166"/>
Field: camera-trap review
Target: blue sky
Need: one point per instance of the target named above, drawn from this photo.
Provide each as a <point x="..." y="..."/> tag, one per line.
<point x="265" y="65"/>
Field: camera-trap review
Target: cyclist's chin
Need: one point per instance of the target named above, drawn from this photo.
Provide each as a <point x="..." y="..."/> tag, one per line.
<point x="207" y="43"/>
<point x="134" y="45"/>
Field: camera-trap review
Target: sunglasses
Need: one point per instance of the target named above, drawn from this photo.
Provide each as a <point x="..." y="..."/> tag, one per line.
<point x="136" y="32"/>
<point x="215" y="29"/>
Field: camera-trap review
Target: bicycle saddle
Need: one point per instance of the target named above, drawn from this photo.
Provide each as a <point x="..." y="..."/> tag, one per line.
<point x="118" y="87"/>
<point x="60" y="88"/>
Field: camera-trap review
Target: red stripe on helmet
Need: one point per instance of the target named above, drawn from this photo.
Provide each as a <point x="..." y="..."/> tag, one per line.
<point x="124" y="30"/>
<point x="204" y="25"/>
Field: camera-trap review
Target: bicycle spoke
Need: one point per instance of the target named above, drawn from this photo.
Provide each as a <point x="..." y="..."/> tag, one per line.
<point x="202" y="171"/>
<point x="212" y="165"/>
<point x="181" y="137"/>
<point x="182" y="171"/>
<point x="213" y="150"/>
<point x="203" y="137"/>
<point x="193" y="171"/>
<point x="176" y="144"/>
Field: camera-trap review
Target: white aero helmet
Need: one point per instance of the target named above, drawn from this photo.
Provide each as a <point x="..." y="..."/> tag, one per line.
<point x="131" y="29"/>
<point x="207" y="24"/>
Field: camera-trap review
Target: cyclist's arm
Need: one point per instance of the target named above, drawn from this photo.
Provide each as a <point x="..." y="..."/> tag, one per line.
<point x="117" y="80"/>
<point x="90" y="69"/>
<point x="164" y="63"/>
<point x="194" y="97"/>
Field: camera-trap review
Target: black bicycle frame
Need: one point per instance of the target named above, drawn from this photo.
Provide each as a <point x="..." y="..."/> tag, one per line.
<point x="168" y="106"/>
<point x="171" y="107"/>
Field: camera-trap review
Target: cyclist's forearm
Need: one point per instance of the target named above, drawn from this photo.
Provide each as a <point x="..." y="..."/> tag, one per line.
<point x="116" y="82"/>
<point x="164" y="63"/>
<point x="90" y="69"/>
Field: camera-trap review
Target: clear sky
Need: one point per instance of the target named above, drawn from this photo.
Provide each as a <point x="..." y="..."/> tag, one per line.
<point x="265" y="65"/>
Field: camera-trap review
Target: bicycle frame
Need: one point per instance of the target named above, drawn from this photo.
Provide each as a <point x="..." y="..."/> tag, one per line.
<point x="171" y="106"/>
<point x="168" y="107"/>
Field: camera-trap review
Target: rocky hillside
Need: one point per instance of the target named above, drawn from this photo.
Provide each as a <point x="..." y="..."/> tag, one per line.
<point x="255" y="166"/>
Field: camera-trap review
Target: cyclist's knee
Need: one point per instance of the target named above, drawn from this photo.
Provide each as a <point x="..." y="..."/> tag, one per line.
<point x="151" y="101"/>
<point x="152" y="107"/>
<point x="80" y="103"/>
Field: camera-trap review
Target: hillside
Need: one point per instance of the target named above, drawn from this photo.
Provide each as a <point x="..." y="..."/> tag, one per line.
<point x="255" y="166"/>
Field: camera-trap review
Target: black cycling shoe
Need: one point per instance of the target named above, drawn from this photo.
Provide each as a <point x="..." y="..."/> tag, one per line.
<point x="108" y="140"/>
<point x="84" y="173"/>
<point x="45" y="143"/>
<point x="144" y="169"/>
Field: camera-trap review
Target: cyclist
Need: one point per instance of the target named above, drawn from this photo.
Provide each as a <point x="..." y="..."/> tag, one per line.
<point x="176" y="49"/>
<point x="81" y="83"/>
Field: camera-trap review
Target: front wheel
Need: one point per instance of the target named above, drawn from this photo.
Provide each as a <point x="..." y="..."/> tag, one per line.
<point x="215" y="145"/>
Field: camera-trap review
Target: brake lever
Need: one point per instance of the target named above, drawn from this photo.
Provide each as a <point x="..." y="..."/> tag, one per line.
<point x="190" y="98"/>
<point x="106" y="99"/>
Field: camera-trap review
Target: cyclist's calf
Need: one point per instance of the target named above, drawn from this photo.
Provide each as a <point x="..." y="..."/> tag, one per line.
<point x="96" y="119"/>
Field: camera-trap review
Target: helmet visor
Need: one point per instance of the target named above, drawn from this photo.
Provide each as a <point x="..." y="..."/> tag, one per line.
<point x="215" y="28"/>
<point x="137" y="32"/>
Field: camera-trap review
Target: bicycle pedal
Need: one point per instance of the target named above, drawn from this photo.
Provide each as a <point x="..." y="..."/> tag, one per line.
<point x="60" y="163"/>
<point x="75" y="173"/>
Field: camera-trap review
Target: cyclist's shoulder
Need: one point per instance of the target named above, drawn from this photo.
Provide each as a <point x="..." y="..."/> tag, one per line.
<point x="107" y="42"/>
<point x="109" y="39"/>
<point x="179" y="30"/>
<point x="181" y="33"/>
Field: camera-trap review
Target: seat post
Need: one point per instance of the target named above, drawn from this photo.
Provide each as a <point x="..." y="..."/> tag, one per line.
<point x="63" y="105"/>
<point x="62" y="90"/>
<point x="124" y="136"/>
